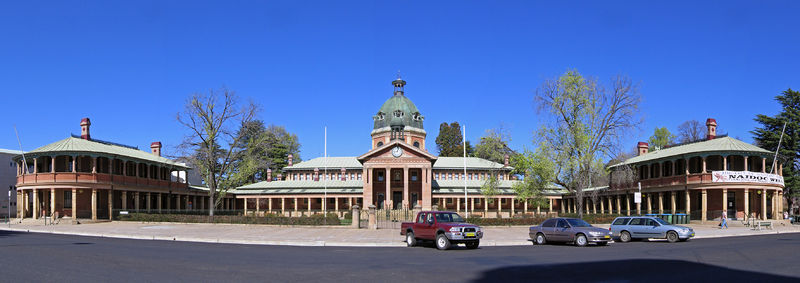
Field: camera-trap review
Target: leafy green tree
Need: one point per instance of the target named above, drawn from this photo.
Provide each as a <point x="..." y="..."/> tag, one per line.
<point x="538" y="175"/>
<point x="661" y="138"/>
<point x="585" y="124"/>
<point x="494" y="146"/>
<point x="767" y="135"/>
<point x="490" y="186"/>
<point x="263" y="148"/>
<point x="450" y="143"/>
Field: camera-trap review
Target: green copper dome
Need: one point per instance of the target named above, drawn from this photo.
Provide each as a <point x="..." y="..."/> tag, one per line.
<point x="398" y="110"/>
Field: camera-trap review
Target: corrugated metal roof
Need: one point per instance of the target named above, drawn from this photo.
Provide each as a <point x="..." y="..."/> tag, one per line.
<point x="303" y="184"/>
<point x="470" y="183"/>
<point x="472" y="162"/>
<point x="477" y="191"/>
<point x="441" y="163"/>
<point x="718" y="145"/>
<point x="77" y="145"/>
<point x="333" y="162"/>
<point x="301" y="187"/>
<point x="285" y="191"/>
<point x="9" y="151"/>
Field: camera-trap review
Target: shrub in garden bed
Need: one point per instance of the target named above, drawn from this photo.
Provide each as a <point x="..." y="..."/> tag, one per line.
<point x="274" y="219"/>
<point x="538" y="219"/>
<point x="594" y="218"/>
<point x="524" y="220"/>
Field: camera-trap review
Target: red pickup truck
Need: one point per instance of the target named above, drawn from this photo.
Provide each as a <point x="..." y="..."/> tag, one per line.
<point x="445" y="227"/>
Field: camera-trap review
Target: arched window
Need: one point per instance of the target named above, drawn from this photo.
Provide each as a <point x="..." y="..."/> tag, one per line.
<point x="416" y="144"/>
<point x="380" y="144"/>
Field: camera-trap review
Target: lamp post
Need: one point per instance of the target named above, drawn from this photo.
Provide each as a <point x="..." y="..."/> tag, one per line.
<point x="8" y="217"/>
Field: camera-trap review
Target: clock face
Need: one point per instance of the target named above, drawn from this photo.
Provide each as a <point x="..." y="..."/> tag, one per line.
<point x="397" y="151"/>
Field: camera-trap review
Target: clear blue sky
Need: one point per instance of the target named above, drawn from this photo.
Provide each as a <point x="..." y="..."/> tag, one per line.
<point x="130" y="65"/>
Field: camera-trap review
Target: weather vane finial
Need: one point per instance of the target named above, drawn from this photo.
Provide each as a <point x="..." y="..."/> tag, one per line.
<point x="398" y="74"/>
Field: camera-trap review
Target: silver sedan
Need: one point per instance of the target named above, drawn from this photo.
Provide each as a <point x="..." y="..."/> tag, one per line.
<point x="647" y="227"/>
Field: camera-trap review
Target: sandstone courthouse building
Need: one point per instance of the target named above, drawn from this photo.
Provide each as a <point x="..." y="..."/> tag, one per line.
<point x="81" y="177"/>
<point x="396" y="172"/>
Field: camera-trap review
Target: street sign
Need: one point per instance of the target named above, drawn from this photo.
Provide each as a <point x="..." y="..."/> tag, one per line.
<point x="637" y="197"/>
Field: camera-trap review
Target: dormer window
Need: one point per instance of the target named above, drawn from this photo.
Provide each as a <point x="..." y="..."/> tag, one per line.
<point x="417" y="117"/>
<point x="398" y="114"/>
<point x="380" y="116"/>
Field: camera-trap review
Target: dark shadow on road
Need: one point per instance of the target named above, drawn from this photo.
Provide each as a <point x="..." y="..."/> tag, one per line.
<point x="635" y="270"/>
<point x="5" y="234"/>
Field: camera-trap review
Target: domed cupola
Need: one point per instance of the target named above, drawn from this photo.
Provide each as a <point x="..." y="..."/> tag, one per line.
<point x="398" y="110"/>
<point x="398" y="117"/>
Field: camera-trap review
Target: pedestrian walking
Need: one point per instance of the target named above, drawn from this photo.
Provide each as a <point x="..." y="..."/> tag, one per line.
<point x="724" y="219"/>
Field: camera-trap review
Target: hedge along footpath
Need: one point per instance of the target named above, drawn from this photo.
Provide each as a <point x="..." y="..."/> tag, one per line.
<point x="318" y="219"/>
<point x="594" y="218"/>
<point x="538" y="219"/>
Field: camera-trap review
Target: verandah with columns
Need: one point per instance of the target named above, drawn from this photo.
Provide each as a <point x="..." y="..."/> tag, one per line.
<point x="99" y="203"/>
<point x="503" y="206"/>
<point x="701" y="204"/>
<point x="294" y="205"/>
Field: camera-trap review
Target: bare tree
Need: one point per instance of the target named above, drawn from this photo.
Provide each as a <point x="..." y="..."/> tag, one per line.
<point x="213" y="120"/>
<point x="586" y="123"/>
<point x="690" y="131"/>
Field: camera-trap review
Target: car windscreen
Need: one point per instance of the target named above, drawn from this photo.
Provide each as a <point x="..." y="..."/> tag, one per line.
<point x="662" y="221"/>
<point x="578" y="223"/>
<point x="448" y="217"/>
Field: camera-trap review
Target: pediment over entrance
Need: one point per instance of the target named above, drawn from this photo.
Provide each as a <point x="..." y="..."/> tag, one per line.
<point x="389" y="154"/>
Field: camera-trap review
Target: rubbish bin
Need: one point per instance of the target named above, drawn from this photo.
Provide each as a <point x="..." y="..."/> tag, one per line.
<point x="680" y="218"/>
<point x="667" y="217"/>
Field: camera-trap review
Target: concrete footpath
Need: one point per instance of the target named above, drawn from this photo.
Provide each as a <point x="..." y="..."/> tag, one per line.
<point x="313" y="236"/>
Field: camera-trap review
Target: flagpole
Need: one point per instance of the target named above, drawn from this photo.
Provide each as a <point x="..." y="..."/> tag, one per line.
<point x="775" y="160"/>
<point x="464" y="145"/>
<point x="325" y="181"/>
<point x="24" y="162"/>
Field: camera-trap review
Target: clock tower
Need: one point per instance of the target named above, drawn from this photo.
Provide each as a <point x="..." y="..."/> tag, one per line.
<point x="398" y="167"/>
<point x="398" y="119"/>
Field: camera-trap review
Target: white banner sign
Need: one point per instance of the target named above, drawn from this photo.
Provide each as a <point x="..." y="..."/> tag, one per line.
<point x="745" y="177"/>
<point x="637" y="197"/>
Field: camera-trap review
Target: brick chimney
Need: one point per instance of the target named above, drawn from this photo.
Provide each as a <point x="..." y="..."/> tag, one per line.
<point x="344" y="174"/>
<point x="711" y="123"/>
<point x="316" y="174"/>
<point x="505" y="162"/>
<point x="85" y="124"/>
<point x="643" y="147"/>
<point x="155" y="148"/>
<point x="290" y="159"/>
<point x="269" y="175"/>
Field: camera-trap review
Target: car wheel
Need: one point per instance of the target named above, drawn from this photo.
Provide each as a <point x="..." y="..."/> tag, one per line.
<point x="580" y="240"/>
<point x="624" y="236"/>
<point x="473" y="245"/>
<point x="442" y="242"/>
<point x="672" y="236"/>
<point x="540" y="240"/>
<point x="410" y="240"/>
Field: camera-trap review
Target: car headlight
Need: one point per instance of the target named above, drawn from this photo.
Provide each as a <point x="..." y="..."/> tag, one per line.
<point x="455" y="229"/>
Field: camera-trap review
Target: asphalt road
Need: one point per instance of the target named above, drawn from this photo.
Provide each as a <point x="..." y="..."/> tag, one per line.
<point x="31" y="257"/>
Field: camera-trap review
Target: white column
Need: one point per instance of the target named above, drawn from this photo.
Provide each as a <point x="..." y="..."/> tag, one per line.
<point x="94" y="204"/>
